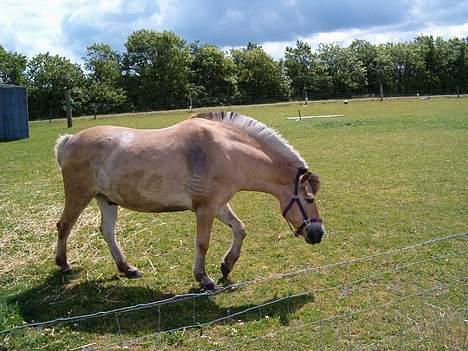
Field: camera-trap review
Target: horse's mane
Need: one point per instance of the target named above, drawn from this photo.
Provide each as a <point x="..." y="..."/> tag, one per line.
<point x="258" y="131"/>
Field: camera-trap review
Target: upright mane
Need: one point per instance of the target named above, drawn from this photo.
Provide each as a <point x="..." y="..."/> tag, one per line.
<point x="258" y="131"/>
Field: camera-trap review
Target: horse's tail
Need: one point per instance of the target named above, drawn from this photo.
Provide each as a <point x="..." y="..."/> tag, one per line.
<point x="62" y="141"/>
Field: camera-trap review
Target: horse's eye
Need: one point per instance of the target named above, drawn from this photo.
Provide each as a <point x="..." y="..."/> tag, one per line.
<point x="310" y="200"/>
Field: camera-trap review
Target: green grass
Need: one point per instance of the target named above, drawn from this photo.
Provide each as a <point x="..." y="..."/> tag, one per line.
<point x="393" y="174"/>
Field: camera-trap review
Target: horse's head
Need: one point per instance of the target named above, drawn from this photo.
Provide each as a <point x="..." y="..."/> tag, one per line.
<point x="301" y="210"/>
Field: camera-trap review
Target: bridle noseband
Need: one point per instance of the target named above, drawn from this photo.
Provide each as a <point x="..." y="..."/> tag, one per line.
<point x="295" y="200"/>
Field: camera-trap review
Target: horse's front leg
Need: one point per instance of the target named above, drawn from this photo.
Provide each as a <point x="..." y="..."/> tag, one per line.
<point x="228" y="217"/>
<point x="204" y="223"/>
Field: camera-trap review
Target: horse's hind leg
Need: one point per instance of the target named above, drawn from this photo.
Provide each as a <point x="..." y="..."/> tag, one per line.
<point x="228" y="217"/>
<point x="75" y="203"/>
<point x="108" y="221"/>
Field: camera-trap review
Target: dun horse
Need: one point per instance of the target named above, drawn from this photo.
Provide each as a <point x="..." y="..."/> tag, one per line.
<point x="198" y="164"/>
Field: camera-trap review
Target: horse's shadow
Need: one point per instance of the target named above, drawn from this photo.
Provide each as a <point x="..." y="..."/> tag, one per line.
<point x="58" y="297"/>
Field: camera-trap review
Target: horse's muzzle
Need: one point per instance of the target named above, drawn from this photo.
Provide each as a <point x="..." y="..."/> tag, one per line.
<point x="313" y="233"/>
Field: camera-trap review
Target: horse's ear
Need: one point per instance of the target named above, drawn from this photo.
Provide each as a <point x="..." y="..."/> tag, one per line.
<point x="306" y="176"/>
<point x="314" y="181"/>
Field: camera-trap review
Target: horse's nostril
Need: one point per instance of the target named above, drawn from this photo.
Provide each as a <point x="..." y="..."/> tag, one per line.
<point x="314" y="233"/>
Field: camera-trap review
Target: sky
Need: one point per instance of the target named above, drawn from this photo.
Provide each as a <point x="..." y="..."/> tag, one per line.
<point x="67" y="27"/>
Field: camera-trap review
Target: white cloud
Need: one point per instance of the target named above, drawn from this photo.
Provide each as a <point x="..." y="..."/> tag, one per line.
<point x="33" y="26"/>
<point x="374" y="35"/>
<point x="66" y="27"/>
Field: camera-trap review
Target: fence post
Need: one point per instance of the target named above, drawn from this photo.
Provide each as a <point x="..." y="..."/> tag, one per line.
<point x="190" y="101"/>
<point x="458" y="91"/>
<point x="306" y="98"/>
<point x="381" y="91"/>
<point x="69" y="108"/>
<point x="95" y="110"/>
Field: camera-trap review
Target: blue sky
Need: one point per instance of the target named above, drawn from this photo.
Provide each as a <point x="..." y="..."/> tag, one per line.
<point x="66" y="27"/>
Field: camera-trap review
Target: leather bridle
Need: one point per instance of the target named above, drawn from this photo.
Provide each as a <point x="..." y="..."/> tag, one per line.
<point x="295" y="200"/>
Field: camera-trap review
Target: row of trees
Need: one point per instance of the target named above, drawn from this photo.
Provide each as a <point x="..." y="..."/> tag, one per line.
<point x="159" y="70"/>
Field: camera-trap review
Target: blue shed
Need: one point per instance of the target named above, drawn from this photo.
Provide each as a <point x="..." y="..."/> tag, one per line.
<point x="13" y="112"/>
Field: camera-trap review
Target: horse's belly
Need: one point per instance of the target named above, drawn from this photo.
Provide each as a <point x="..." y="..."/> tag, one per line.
<point x="147" y="192"/>
<point x="144" y="205"/>
<point x="154" y="202"/>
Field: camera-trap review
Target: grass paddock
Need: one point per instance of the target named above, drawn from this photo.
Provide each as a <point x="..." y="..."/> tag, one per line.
<point x="393" y="175"/>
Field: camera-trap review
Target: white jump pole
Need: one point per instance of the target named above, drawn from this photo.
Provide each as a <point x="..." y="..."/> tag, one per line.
<point x="300" y="118"/>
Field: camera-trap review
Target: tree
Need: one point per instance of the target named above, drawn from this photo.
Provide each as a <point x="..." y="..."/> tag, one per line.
<point x="159" y="70"/>
<point x="103" y="77"/>
<point x="48" y="78"/>
<point x="405" y="65"/>
<point x="213" y="75"/>
<point x="377" y="63"/>
<point x="259" y="76"/>
<point x="347" y="72"/>
<point x="299" y="63"/>
<point x="367" y="54"/>
<point x="442" y="63"/>
<point x="307" y="73"/>
<point x="12" y="67"/>
<point x="427" y="65"/>
<point x="457" y="64"/>
<point x="156" y="69"/>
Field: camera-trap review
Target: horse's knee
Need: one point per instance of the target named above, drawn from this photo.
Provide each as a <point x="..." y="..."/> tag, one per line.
<point x="240" y="232"/>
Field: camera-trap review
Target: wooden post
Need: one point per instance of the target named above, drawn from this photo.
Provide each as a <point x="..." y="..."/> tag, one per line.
<point x="306" y="98"/>
<point x="95" y="110"/>
<point x="190" y="101"/>
<point x="69" y="108"/>
<point x="381" y="91"/>
<point x="458" y="91"/>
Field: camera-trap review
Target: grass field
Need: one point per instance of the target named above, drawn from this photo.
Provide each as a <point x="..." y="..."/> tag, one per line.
<point x="393" y="174"/>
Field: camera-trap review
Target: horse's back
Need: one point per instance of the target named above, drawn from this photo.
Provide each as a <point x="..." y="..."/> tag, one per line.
<point x="101" y="141"/>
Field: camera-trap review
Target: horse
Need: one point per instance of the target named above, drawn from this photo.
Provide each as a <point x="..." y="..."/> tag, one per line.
<point x="198" y="164"/>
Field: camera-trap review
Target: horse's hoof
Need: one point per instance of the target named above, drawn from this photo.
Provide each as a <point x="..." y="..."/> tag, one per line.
<point x="133" y="274"/>
<point x="66" y="270"/>
<point x="210" y="286"/>
<point x="225" y="270"/>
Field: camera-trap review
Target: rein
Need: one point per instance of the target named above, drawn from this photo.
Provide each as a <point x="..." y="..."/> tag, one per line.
<point x="295" y="200"/>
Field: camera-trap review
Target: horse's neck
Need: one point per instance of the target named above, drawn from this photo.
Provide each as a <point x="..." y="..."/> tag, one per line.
<point x="269" y="175"/>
